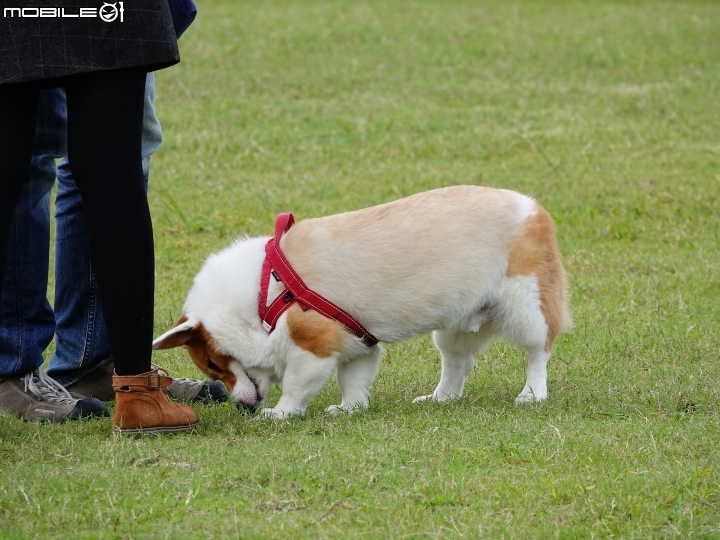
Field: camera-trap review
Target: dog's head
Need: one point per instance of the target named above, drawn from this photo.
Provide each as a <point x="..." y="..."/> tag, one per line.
<point x="247" y="386"/>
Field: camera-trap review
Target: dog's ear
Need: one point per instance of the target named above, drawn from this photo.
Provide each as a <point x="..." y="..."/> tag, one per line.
<point x="178" y="336"/>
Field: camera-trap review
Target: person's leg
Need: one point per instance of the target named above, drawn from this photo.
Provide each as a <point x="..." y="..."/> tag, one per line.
<point x="80" y="337"/>
<point x="25" y="390"/>
<point x="105" y="113"/>
<point x="26" y="318"/>
<point x="82" y="345"/>
<point x="18" y="111"/>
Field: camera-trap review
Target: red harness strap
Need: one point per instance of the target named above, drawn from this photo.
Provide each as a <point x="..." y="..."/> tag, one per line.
<point x="296" y="290"/>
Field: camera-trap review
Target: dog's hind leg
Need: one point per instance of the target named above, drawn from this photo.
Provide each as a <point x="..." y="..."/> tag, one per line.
<point x="521" y="320"/>
<point x="354" y="378"/>
<point x="534" y="300"/>
<point x="458" y="350"/>
<point x="535" y="388"/>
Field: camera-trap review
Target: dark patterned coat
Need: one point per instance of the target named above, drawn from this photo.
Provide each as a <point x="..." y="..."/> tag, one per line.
<point x="48" y="39"/>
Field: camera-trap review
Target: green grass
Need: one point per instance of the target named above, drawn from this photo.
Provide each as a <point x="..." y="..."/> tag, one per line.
<point x="607" y="112"/>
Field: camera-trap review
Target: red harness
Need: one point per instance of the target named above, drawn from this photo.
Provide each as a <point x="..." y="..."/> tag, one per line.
<point x="296" y="290"/>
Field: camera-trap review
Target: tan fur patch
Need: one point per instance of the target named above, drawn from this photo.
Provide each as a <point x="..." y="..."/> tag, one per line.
<point x="535" y="252"/>
<point x="203" y="351"/>
<point x="314" y="332"/>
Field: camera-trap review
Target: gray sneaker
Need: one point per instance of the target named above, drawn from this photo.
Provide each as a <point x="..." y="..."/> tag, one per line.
<point x="197" y="391"/>
<point x="36" y="396"/>
<point x="98" y="383"/>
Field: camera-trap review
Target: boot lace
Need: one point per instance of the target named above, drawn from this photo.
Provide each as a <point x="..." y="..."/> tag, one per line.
<point x="46" y="388"/>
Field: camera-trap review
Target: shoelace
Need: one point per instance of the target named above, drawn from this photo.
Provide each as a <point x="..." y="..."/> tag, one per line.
<point x="46" y="388"/>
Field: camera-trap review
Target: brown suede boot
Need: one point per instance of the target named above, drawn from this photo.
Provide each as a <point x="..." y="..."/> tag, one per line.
<point x="143" y="408"/>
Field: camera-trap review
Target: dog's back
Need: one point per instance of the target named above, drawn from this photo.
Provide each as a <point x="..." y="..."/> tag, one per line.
<point x="430" y="261"/>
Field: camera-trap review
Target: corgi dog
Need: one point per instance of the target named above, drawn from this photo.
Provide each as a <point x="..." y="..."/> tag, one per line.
<point x="467" y="263"/>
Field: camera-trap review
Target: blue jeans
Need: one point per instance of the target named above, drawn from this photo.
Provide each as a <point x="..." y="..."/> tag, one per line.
<point x="27" y="321"/>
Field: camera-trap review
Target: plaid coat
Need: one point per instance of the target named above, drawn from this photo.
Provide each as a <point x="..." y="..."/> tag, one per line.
<point x="48" y="39"/>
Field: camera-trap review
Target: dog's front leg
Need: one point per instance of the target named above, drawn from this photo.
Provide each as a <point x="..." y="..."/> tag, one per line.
<point x="304" y="377"/>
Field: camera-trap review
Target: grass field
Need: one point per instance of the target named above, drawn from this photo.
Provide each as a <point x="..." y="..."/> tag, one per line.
<point x="607" y="112"/>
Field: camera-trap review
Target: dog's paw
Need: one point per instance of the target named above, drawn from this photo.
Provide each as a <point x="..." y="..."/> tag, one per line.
<point x="528" y="396"/>
<point x="439" y="398"/>
<point x="264" y="414"/>
<point x="335" y="410"/>
<point x="274" y="414"/>
<point x="339" y="410"/>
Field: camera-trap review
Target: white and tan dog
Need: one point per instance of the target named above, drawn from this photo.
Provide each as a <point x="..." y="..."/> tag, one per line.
<point x="466" y="262"/>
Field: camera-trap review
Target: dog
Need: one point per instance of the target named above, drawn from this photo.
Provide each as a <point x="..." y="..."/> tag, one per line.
<point x="468" y="263"/>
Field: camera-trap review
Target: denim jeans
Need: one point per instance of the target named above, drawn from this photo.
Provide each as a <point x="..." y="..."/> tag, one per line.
<point x="27" y="321"/>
